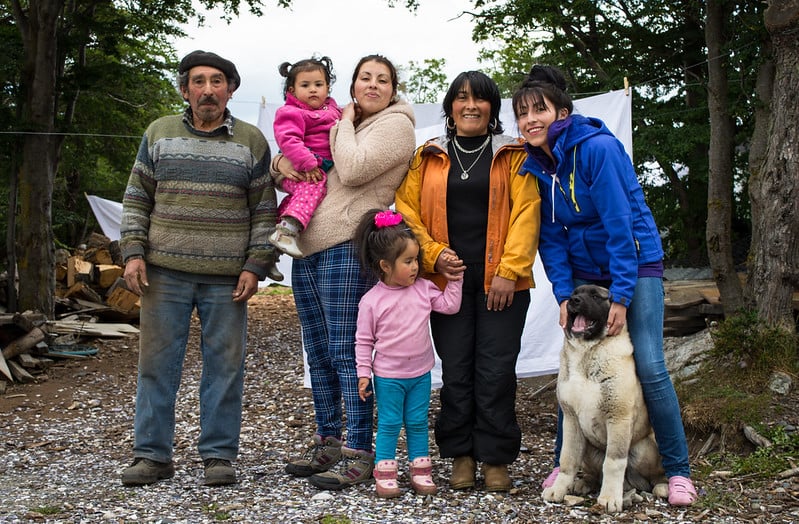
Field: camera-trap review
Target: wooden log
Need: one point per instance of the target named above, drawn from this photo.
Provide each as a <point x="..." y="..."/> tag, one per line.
<point x="121" y="299"/>
<point x="19" y="373"/>
<point x="78" y="270"/>
<point x="107" y="274"/>
<point x="4" y="368"/>
<point x="82" y="289"/>
<point x="23" y="343"/>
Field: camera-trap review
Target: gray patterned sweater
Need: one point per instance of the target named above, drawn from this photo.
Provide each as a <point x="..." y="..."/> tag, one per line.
<point x="200" y="202"/>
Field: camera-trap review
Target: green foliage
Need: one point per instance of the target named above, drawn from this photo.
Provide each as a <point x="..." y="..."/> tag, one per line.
<point x="427" y="83"/>
<point x="335" y="519"/>
<point x="46" y="510"/>
<point x="754" y="344"/>
<point x="765" y="461"/>
<point x="659" y="46"/>
<point x="216" y="512"/>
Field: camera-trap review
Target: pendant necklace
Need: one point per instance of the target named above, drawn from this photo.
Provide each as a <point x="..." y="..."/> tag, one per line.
<point x="465" y="171"/>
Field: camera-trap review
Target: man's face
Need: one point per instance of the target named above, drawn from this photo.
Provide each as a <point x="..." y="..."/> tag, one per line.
<point x="207" y="93"/>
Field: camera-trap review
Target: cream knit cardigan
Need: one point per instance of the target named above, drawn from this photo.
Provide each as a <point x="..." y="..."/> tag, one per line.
<point x="370" y="162"/>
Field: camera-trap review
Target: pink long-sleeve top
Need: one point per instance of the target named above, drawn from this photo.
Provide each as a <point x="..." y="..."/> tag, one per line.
<point x="303" y="134"/>
<point x="393" y="335"/>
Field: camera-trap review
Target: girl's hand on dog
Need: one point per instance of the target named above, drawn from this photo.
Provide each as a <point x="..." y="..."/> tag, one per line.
<point x="616" y="318"/>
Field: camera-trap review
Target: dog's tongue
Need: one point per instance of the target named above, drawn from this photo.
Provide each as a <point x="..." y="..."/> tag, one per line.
<point x="580" y="324"/>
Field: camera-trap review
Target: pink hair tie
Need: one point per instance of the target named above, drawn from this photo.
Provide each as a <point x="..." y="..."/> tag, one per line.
<point x="387" y="218"/>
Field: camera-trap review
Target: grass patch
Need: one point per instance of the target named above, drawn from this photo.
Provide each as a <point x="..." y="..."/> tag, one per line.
<point x="733" y="391"/>
<point x="46" y="510"/>
<point x="216" y="512"/>
<point x="274" y="289"/>
<point x="335" y="519"/>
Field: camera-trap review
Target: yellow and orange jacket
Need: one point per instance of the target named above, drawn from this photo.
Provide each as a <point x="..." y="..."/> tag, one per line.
<point x="514" y="216"/>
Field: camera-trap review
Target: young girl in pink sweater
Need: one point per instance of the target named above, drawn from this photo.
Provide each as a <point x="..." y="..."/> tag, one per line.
<point x="302" y="131"/>
<point x="393" y="343"/>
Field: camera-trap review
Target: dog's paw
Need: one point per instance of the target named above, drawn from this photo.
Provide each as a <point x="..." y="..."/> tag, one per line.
<point x="611" y="504"/>
<point x="550" y="494"/>
<point x="661" y="490"/>
<point x="584" y="486"/>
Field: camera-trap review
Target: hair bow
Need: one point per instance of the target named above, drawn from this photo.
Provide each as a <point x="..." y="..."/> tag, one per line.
<point x="387" y="218"/>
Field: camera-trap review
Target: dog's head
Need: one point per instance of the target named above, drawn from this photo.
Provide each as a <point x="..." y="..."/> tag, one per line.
<point x="588" y="309"/>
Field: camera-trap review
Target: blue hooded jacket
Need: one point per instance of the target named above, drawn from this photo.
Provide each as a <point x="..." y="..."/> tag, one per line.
<point x="594" y="219"/>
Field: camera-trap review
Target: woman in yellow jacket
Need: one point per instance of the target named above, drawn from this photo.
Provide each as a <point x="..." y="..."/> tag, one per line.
<point x="474" y="214"/>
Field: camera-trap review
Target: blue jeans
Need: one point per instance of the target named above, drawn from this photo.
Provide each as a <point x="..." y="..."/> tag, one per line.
<point x="166" y="310"/>
<point x="402" y="401"/>
<point x="327" y="289"/>
<point x="645" y="324"/>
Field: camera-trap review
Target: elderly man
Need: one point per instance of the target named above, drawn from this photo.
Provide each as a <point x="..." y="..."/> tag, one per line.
<point x="197" y="214"/>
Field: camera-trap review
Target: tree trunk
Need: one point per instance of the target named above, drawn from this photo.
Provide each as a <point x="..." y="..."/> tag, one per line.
<point x="774" y="188"/>
<point x="35" y="245"/>
<point x="719" y="192"/>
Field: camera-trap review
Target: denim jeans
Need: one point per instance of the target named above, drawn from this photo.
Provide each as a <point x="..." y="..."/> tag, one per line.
<point x="402" y="401"/>
<point x="166" y="310"/>
<point x="645" y="324"/>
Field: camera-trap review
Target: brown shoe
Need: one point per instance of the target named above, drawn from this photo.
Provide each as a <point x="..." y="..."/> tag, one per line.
<point x="463" y="471"/>
<point x="496" y="477"/>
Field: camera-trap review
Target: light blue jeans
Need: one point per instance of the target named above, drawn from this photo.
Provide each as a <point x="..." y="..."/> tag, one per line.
<point x="402" y="401"/>
<point x="645" y="324"/>
<point x="166" y="310"/>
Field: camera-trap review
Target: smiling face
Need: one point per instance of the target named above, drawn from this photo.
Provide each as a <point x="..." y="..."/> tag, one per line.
<point x="405" y="269"/>
<point x="372" y="88"/>
<point x="311" y="87"/>
<point x="470" y="113"/>
<point x="534" y="116"/>
<point x="207" y="92"/>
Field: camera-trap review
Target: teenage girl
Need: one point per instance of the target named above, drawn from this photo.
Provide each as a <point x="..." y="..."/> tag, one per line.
<point x="393" y="344"/>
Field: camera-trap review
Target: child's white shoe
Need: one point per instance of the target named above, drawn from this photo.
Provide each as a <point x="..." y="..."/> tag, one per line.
<point x="286" y="241"/>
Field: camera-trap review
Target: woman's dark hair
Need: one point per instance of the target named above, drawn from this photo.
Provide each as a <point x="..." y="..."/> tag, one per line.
<point x="290" y="71"/>
<point x="380" y="243"/>
<point x="381" y="60"/>
<point x="482" y="87"/>
<point x="542" y="81"/>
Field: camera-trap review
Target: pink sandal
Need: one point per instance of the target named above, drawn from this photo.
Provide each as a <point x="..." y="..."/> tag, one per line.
<point x="681" y="491"/>
<point x="550" y="480"/>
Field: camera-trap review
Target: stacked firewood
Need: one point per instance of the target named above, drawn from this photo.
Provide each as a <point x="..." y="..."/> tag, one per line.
<point x="91" y="277"/>
<point x="90" y="302"/>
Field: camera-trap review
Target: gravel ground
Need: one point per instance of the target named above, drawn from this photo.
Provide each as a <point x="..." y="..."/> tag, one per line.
<point x="66" y="439"/>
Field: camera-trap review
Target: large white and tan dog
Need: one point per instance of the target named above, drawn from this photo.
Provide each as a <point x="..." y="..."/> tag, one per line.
<point x="606" y="430"/>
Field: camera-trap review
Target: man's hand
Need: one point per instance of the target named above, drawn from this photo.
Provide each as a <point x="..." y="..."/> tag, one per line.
<point x="136" y="275"/>
<point x="246" y="288"/>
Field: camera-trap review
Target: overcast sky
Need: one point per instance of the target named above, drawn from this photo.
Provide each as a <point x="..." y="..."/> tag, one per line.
<point x="344" y="30"/>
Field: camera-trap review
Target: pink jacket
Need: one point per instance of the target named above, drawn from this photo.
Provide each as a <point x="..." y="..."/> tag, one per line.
<point x="303" y="134"/>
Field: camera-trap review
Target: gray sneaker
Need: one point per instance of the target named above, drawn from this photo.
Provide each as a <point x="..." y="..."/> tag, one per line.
<point x="219" y="472"/>
<point x="321" y="455"/>
<point x="145" y="471"/>
<point x="355" y="467"/>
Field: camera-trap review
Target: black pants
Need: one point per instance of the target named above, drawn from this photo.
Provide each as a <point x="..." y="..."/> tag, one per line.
<point x="478" y="349"/>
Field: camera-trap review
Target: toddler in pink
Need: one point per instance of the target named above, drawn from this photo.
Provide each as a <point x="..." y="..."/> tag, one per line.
<point x="302" y="131"/>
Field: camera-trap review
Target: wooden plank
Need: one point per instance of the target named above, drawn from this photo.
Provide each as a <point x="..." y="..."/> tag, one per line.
<point x="4" y="368"/>
<point x="96" y="329"/>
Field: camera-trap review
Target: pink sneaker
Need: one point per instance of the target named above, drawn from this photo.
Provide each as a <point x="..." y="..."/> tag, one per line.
<point x="681" y="491"/>
<point x="550" y="480"/>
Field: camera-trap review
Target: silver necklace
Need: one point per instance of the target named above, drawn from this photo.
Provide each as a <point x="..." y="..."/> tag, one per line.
<point x="468" y="152"/>
<point x="465" y="171"/>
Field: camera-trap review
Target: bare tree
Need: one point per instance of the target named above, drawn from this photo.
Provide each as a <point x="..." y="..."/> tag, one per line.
<point x="720" y="165"/>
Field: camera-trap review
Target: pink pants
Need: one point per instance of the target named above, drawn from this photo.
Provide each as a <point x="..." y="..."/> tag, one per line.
<point x="303" y="198"/>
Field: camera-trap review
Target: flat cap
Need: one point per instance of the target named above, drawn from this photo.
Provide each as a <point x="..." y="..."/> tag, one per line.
<point x="206" y="58"/>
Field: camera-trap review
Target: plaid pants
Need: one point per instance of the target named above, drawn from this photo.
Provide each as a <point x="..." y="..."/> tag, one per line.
<point x="327" y="289"/>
